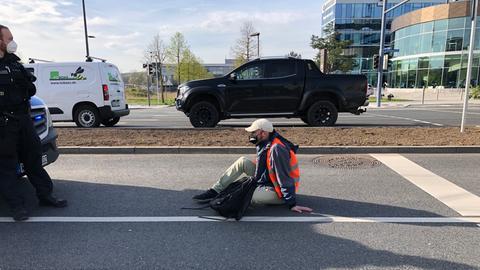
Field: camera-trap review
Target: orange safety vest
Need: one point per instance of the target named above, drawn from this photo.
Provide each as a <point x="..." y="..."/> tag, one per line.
<point x="294" y="170"/>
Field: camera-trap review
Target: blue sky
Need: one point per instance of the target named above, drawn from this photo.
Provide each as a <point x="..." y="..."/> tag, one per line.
<point x="53" y="29"/>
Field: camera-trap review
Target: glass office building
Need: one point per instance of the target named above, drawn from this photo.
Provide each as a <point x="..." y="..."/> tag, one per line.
<point x="359" y="21"/>
<point x="432" y="48"/>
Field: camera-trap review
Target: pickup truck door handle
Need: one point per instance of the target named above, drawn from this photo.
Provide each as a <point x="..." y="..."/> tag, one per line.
<point x="221" y="85"/>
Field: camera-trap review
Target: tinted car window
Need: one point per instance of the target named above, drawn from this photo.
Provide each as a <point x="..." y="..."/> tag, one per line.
<point x="252" y="72"/>
<point x="277" y="69"/>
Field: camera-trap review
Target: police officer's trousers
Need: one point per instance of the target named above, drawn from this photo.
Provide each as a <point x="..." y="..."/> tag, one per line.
<point x="19" y="142"/>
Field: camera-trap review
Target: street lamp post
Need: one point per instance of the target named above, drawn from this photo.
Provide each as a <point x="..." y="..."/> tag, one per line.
<point x="381" y="52"/>
<point x="474" y="13"/>
<point x="86" y="31"/>
<point x="258" y="42"/>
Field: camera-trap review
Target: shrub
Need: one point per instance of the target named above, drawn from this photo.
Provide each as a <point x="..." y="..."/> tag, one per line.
<point x="475" y="94"/>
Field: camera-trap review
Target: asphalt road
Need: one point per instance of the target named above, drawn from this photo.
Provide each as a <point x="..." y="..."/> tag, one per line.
<point x="414" y="115"/>
<point x="157" y="186"/>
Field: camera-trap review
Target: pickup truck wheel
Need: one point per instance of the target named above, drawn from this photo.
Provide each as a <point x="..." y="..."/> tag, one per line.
<point x="87" y="116"/>
<point x="111" y="122"/>
<point x="204" y="114"/>
<point x="304" y="119"/>
<point x="322" y="113"/>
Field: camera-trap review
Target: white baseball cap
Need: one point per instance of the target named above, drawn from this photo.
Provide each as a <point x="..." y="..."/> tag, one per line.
<point x="260" y="124"/>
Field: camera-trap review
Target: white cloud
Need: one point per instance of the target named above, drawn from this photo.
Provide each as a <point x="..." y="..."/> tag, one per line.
<point x="44" y="30"/>
<point x="53" y="29"/>
<point x="220" y="20"/>
<point x="27" y="11"/>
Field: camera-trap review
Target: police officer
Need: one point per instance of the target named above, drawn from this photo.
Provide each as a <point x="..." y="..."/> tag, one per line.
<point x="18" y="138"/>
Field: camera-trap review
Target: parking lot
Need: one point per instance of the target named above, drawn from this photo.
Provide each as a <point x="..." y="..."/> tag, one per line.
<point x="413" y="115"/>
<point x="390" y="212"/>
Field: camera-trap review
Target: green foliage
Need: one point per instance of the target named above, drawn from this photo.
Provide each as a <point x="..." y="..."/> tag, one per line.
<point x="475" y="93"/>
<point x="135" y="92"/>
<point x="183" y="62"/>
<point x="239" y="60"/>
<point x="191" y="68"/>
<point x="175" y="54"/>
<point x="135" y="78"/>
<point x="336" y="60"/>
<point x="137" y="96"/>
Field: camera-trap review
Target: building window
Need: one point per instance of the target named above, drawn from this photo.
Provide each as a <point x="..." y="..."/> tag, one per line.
<point x="435" y="77"/>
<point x="454" y="40"/>
<point x="422" y="78"/>
<point x="426" y="42"/>
<point x="440" y="25"/>
<point x="457" y="23"/>
<point x="439" y="40"/>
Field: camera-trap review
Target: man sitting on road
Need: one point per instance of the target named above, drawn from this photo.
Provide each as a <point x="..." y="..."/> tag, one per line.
<point x="276" y="169"/>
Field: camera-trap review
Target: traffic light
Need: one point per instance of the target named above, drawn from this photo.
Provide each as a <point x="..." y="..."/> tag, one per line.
<point x="376" y="60"/>
<point x="387" y="62"/>
<point x="151" y="69"/>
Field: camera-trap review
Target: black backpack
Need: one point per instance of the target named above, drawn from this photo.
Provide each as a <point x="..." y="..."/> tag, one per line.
<point x="234" y="200"/>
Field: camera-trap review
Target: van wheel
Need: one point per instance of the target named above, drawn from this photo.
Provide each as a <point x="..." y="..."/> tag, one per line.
<point x="204" y="114"/>
<point x="87" y="116"/>
<point x="111" y="122"/>
<point x="322" y="113"/>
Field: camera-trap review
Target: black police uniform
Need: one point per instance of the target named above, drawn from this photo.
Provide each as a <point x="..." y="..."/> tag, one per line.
<point x="18" y="138"/>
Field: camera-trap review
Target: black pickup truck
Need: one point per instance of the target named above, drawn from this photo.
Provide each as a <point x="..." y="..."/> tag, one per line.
<point x="282" y="87"/>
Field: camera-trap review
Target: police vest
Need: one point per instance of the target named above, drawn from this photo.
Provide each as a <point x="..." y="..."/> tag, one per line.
<point x="14" y="85"/>
<point x="294" y="170"/>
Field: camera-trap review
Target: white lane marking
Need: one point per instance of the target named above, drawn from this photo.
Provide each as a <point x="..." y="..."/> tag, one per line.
<point x="453" y="196"/>
<point x="456" y="112"/>
<point x="299" y="219"/>
<point x="143" y="120"/>
<point x="408" y="119"/>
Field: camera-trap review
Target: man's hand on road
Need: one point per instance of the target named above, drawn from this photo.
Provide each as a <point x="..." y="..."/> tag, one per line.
<point x="301" y="209"/>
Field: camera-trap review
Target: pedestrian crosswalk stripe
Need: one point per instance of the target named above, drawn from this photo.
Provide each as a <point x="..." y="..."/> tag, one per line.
<point x="453" y="196"/>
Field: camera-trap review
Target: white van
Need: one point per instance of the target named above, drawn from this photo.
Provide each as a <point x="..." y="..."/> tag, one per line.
<point x="89" y="93"/>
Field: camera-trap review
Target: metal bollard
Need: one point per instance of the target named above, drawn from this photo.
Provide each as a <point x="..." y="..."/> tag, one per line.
<point x="423" y="95"/>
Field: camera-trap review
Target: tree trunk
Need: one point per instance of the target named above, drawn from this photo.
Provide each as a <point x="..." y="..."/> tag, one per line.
<point x="162" y="86"/>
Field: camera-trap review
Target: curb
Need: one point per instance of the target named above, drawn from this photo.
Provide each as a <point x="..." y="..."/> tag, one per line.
<point x="140" y="107"/>
<point x="307" y="150"/>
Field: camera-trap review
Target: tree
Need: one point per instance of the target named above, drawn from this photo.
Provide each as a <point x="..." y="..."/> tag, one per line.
<point x="158" y="52"/>
<point x="294" y="55"/>
<point x="175" y="53"/>
<point x="192" y="68"/>
<point x="336" y="59"/>
<point x="246" y="46"/>
<point x="136" y="79"/>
